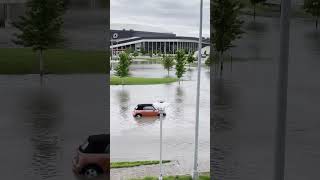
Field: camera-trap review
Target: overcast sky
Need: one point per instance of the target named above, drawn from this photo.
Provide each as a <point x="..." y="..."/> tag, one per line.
<point x="177" y="16"/>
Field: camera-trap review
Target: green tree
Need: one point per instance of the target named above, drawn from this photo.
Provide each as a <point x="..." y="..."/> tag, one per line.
<point x="129" y="50"/>
<point x="122" y="68"/>
<point x="226" y="25"/>
<point x="135" y="54"/>
<point x="40" y="27"/>
<point x="190" y="59"/>
<point x="167" y="62"/>
<point x="313" y="7"/>
<point x="142" y="51"/>
<point x="180" y="64"/>
<point x="254" y="3"/>
<point x="213" y="58"/>
<point x="186" y="51"/>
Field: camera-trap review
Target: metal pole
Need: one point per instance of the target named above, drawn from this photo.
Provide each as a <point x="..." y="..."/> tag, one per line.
<point x="195" y="165"/>
<point x="279" y="161"/>
<point x="161" y="115"/>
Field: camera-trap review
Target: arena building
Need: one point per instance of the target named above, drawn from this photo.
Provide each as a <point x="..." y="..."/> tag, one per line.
<point x="152" y="42"/>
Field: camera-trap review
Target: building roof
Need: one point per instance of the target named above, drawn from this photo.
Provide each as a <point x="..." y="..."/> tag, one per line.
<point x="126" y="36"/>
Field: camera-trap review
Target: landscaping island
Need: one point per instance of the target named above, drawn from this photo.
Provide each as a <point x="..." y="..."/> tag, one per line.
<point x="136" y="163"/>
<point x="57" y="61"/>
<point x="115" y="80"/>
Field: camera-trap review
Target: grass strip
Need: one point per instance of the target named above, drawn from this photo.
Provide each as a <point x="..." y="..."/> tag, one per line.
<point x="56" y="61"/>
<point x="115" y="80"/>
<point x="134" y="164"/>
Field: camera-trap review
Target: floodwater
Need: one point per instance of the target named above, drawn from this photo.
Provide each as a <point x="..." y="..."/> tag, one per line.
<point x="138" y="139"/>
<point x="244" y="105"/>
<point x="42" y="126"/>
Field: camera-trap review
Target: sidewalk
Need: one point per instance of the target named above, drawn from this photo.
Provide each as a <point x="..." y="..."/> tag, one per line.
<point x="168" y="169"/>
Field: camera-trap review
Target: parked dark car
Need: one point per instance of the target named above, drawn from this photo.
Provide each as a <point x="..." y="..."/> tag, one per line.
<point x="93" y="156"/>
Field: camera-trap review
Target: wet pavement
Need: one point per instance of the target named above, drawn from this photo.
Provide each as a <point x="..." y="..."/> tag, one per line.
<point x="138" y="139"/>
<point x="42" y="126"/>
<point x="244" y="101"/>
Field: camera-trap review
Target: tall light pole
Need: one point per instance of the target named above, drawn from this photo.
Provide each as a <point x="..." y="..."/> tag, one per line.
<point x="161" y="116"/>
<point x="195" y="163"/>
<point x="279" y="161"/>
<point x="161" y="105"/>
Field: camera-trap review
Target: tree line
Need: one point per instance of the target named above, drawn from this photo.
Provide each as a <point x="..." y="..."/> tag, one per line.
<point x="179" y="61"/>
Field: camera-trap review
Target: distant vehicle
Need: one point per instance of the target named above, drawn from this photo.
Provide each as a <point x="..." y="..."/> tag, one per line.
<point x="146" y="110"/>
<point x="93" y="156"/>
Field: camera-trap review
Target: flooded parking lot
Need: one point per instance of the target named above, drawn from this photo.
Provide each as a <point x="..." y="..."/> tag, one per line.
<point x="138" y="139"/>
<point x="244" y="102"/>
<point x="42" y="126"/>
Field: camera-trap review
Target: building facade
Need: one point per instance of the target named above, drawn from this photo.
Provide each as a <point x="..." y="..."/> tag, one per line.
<point x="152" y="42"/>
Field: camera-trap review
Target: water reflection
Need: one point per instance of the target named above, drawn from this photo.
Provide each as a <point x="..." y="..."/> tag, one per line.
<point x="123" y="98"/>
<point x="43" y="118"/>
<point x="256" y="26"/>
<point x="314" y="38"/>
<point x="222" y="103"/>
<point x="146" y="121"/>
<point x="189" y="73"/>
<point x="179" y="99"/>
<point x="222" y="164"/>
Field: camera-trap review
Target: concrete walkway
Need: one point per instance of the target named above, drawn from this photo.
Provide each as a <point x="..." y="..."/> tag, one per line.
<point x="169" y="169"/>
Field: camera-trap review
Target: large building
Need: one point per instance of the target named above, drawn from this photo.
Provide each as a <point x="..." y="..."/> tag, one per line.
<point x="152" y="42"/>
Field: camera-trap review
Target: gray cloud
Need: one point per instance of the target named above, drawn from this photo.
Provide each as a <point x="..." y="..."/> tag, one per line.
<point x="177" y="16"/>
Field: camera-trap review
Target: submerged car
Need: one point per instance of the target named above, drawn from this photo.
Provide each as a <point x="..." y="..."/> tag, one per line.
<point x="93" y="156"/>
<point x="146" y="110"/>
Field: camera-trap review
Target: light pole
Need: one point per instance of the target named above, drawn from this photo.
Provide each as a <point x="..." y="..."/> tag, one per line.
<point x="161" y="105"/>
<point x="279" y="160"/>
<point x="195" y="163"/>
<point x="161" y="116"/>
